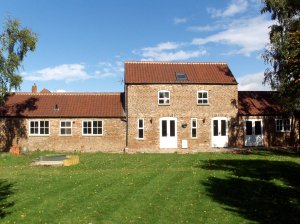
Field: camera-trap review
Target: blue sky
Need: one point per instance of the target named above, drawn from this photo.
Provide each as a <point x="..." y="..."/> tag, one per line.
<point x="83" y="43"/>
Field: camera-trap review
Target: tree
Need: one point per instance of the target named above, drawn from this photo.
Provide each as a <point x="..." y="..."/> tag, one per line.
<point x="283" y="52"/>
<point x="15" y="42"/>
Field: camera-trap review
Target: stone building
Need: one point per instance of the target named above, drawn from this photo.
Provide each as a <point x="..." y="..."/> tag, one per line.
<point x="165" y="107"/>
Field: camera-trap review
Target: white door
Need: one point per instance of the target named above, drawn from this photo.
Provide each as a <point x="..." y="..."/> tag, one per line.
<point x="168" y="132"/>
<point x="219" y="132"/>
<point x="253" y="131"/>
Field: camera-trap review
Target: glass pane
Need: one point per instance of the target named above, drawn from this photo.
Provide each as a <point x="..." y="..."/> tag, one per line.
<point x="140" y="123"/>
<point x="36" y="130"/>
<point x="200" y="95"/>
<point x="84" y="124"/>
<point x="95" y="131"/>
<point x="42" y="124"/>
<point x="85" y="130"/>
<point x="172" y="128"/>
<point x="68" y="131"/>
<point x="95" y="124"/>
<point x="161" y="101"/>
<point x="194" y="133"/>
<point x="167" y="101"/>
<point x="164" y="128"/>
<point x="141" y="133"/>
<point x="47" y="124"/>
<point x="257" y="127"/>
<point x="204" y="95"/>
<point x="62" y="124"/>
<point x="205" y="101"/>
<point x="167" y="94"/>
<point x="42" y="131"/>
<point x="223" y="127"/>
<point x="194" y="123"/>
<point x="161" y="95"/>
<point x="62" y="131"/>
<point x="248" y="127"/>
<point x="216" y="128"/>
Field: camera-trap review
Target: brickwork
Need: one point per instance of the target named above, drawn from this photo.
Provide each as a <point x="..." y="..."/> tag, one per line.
<point x="112" y="140"/>
<point x="270" y="136"/>
<point x="143" y="103"/>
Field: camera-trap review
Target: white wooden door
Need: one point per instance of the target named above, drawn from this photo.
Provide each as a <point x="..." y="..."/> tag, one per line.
<point x="253" y="132"/>
<point x="219" y="132"/>
<point x="168" y="132"/>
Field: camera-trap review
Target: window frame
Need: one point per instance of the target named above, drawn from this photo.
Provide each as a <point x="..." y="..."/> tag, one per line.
<point x="198" y="98"/>
<point x="283" y="125"/>
<point x="92" y="127"/>
<point x="194" y="128"/>
<point x="164" y="99"/>
<point x="140" y="128"/>
<point x="38" y="127"/>
<point x="60" y="127"/>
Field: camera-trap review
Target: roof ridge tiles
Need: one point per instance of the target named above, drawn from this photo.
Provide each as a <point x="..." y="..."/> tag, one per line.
<point x="169" y="62"/>
<point x="69" y="93"/>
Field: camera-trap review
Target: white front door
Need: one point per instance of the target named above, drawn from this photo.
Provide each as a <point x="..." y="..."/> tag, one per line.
<point x="219" y="132"/>
<point x="253" y="131"/>
<point x="168" y="132"/>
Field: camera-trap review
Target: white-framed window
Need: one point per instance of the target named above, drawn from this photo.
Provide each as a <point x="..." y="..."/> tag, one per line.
<point x="39" y="127"/>
<point x="283" y="125"/>
<point x="94" y="127"/>
<point x="65" y="128"/>
<point x="140" y="128"/>
<point x="202" y="97"/>
<point x="163" y="97"/>
<point x="194" y="127"/>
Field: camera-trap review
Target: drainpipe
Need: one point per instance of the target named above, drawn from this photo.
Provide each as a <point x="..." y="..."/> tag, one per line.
<point x="126" y="112"/>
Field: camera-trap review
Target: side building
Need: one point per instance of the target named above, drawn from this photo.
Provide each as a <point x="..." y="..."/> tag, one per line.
<point x="63" y="121"/>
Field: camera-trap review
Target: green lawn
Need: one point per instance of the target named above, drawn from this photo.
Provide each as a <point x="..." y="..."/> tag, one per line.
<point x="259" y="187"/>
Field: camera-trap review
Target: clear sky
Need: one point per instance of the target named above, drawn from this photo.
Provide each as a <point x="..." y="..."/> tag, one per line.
<point x="83" y="44"/>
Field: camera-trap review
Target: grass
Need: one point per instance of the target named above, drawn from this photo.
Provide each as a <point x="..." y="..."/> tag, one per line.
<point x="260" y="187"/>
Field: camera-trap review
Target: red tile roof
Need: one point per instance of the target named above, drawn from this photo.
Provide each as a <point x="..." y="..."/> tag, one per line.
<point x="165" y="72"/>
<point x="258" y="103"/>
<point x="69" y="105"/>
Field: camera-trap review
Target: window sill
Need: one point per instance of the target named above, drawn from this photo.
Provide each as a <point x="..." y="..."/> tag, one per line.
<point x="163" y="104"/>
<point x="203" y="104"/>
<point x="37" y="135"/>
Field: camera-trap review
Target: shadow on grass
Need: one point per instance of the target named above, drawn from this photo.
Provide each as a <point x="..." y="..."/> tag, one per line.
<point x="259" y="190"/>
<point x="5" y="192"/>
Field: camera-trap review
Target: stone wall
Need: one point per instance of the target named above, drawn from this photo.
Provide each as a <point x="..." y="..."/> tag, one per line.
<point x="143" y="103"/>
<point x="270" y="136"/>
<point x="15" y="132"/>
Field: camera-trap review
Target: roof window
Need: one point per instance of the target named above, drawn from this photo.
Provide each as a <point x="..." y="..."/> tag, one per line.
<point x="181" y="76"/>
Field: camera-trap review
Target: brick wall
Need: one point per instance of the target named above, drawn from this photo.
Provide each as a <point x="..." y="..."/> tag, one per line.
<point x="143" y="103"/>
<point x="270" y="136"/>
<point x="15" y="132"/>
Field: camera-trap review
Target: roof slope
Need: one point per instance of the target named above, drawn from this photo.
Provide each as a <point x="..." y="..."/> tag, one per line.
<point x="258" y="103"/>
<point x="165" y="72"/>
<point x="68" y="105"/>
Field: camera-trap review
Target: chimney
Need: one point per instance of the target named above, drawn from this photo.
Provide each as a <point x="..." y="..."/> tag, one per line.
<point x="34" y="88"/>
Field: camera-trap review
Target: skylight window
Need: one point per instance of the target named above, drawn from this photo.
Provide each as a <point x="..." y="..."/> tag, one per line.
<point x="181" y="76"/>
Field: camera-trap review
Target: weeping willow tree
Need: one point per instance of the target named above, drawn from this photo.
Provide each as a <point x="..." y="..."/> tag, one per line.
<point x="15" y="42"/>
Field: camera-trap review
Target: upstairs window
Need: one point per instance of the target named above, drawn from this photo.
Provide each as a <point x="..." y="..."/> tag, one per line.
<point x="202" y="97"/>
<point x="39" y="127"/>
<point x="283" y="125"/>
<point x="140" y="128"/>
<point x="92" y="127"/>
<point x="65" y="128"/>
<point x="164" y="97"/>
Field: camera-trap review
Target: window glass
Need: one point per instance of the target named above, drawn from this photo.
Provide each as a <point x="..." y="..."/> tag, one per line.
<point x="223" y="128"/>
<point x="164" y="128"/>
<point x="248" y="127"/>
<point x="216" y="128"/>
<point x="257" y="127"/>
<point x="172" y="128"/>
